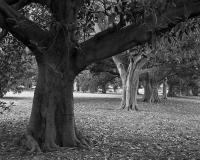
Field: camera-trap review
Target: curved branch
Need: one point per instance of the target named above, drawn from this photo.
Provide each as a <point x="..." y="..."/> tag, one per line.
<point x="20" y="4"/>
<point x="112" y="41"/>
<point x="23" y="29"/>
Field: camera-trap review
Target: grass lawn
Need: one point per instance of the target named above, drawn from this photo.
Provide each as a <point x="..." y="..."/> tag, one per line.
<point x="168" y="130"/>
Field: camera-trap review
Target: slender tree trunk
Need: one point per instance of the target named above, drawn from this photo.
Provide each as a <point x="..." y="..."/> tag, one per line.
<point x="195" y="90"/>
<point x="123" y="101"/>
<point x="132" y="87"/>
<point x="123" y="75"/>
<point x="155" y="97"/>
<point x="165" y="88"/>
<point x="1" y="93"/>
<point x="147" y="89"/>
<point x="171" y="91"/>
<point x="189" y="91"/>
<point x="78" y="86"/>
<point x="103" y="89"/>
<point x="151" y="90"/>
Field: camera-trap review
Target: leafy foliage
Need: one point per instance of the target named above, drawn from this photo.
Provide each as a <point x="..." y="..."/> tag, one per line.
<point x="16" y="66"/>
<point x="91" y="81"/>
<point x="4" y="107"/>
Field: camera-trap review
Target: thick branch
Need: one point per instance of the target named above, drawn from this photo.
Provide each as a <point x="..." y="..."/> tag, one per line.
<point x="112" y="41"/>
<point x="18" y="4"/>
<point x="23" y="29"/>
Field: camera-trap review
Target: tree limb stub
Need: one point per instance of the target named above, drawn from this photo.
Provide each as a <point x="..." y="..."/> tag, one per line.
<point x="111" y="41"/>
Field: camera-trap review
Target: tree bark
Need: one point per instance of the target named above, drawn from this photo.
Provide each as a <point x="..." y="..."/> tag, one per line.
<point x="151" y="90"/>
<point x="155" y="97"/>
<point x="165" y="88"/>
<point x="1" y="93"/>
<point x="189" y="91"/>
<point x="171" y="91"/>
<point x="103" y="89"/>
<point x="130" y="81"/>
<point x="195" y="90"/>
<point x="147" y="89"/>
<point x="52" y="110"/>
<point x="123" y="75"/>
<point x="132" y="87"/>
<point x="52" y="122"/>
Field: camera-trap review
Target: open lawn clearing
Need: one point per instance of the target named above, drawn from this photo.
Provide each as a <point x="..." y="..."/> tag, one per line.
<point x="169" y="130"/>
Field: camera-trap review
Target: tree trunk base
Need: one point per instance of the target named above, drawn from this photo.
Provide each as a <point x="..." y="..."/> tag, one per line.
<point x="135" y="108"/>
<point x="122" y="106"/>
<point x="32" y="145"/>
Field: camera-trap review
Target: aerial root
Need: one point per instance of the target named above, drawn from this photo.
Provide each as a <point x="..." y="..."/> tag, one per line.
<point x="29" y="142"/>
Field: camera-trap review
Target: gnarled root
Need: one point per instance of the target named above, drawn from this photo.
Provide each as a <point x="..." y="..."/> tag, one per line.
<point x="132" y="107"/>
<point x="50" y="146"/>
<point x="30" y="143"/>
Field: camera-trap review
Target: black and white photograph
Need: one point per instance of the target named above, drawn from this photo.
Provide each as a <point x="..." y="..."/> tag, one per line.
<point x="99" y="79"/>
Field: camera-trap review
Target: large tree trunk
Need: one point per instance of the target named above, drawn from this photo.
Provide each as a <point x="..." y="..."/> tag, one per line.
<point x="52" y="122"/>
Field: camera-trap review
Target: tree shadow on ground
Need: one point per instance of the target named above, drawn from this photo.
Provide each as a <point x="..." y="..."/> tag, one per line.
<point x="16" y="98"/>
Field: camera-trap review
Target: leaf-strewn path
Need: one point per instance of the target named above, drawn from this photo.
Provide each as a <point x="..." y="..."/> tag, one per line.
<point x="170" y="130"/>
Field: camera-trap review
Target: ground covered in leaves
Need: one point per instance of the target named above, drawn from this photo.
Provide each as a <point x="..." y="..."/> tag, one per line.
<point x="168" y="130"/>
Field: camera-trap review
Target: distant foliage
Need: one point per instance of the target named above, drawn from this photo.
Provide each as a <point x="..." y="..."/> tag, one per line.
<point x="92" y="82"/>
